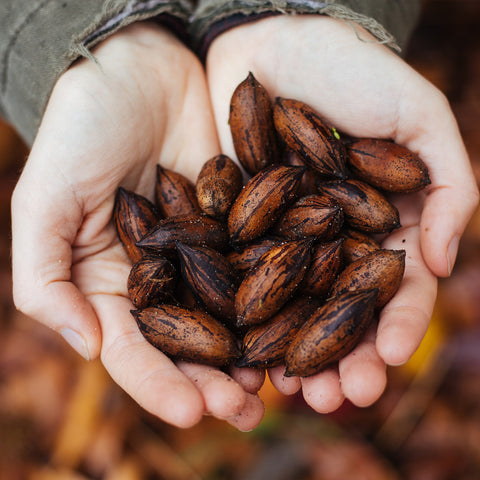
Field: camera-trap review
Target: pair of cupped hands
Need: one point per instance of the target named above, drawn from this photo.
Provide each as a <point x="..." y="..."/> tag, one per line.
<point x="147" y="101"/>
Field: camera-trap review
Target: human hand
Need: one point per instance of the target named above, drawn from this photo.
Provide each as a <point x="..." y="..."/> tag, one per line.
<point x="364" y="90"/>
<point x="108" y="126"/>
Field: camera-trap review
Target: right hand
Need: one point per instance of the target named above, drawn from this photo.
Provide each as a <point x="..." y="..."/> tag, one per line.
<point x="105" y="126"/>
<point x="364" y="90"/>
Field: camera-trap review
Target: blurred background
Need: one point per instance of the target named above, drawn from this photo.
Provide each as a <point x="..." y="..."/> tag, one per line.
<point x="63" y="418"/>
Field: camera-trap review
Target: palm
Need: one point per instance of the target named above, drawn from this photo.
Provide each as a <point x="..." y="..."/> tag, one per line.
<point x="104" y="129"/>
<point x="363" y="90"/>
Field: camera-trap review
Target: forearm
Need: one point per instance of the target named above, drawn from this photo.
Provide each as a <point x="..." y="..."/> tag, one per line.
<point x="40" y="39"/>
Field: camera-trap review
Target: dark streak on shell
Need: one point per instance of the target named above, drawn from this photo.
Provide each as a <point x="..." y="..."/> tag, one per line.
<point x="133" y="216"/>
<point x="189" y="335"/>
<point x="271" y="283"/>
<point x="210" y="278"/>
<point x="251" y="126"/>
<point x="331" y="333"/>
<point x="305" y="133"/>
<point x="310" y="178"/>
<point x="262" y="200"/>
<point x="151" y="281"/>
<point x="387" y="165"/>
<point x="245" y="257"/>
<point x="317" y="216"/>
<point x="382" y="269"/>
<point x="218" y="184"/>
<point x="174" y="193"/>
<point x="192" y="229"/>
<point x="327" y="261"/>
<point x="364" y="207"/>
<point x="265" y="345"/>
<point x="357" y="244"/>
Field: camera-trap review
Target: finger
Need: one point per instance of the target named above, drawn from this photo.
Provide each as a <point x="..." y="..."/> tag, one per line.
<point x="144" y="372"/>
<point x="363" y="373"/>
<point x="250" y="416"/>
<point x="323" y="391"/>
<point x="42" y="234"/>
<point x="444" y="219"/>
<point x="285" y="385"/>
<point x="251" y="379"/>
<point x="405" y="319"/>
<point x="223" y="397"/>
<point x="453" y="195"/>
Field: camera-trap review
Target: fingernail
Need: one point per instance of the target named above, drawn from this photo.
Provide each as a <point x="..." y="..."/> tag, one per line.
<point x="76" y="341"/>
<point x="452" y="254"/>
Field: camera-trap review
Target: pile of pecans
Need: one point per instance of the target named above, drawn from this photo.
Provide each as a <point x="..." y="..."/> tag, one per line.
<point x="283" y="269"/>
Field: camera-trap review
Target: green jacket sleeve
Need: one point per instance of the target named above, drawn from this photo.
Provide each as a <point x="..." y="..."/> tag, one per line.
<point x="390" y="22"/>
<point x="39" y="39"/>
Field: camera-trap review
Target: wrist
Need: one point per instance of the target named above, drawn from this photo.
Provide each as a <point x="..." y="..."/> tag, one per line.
<point x="390" y="25"/>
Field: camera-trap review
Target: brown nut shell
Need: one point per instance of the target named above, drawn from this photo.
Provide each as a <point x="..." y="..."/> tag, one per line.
<point x="244" y="257"/>
<point x="265" y="345"/>
<point x="382" y="269"/>
<point x="387" y="166"/>
<point x="310" y="178"/>
<point x="184" y="296"/>
<point x="261" y="201"/>
<point x="210" y="278"/>
<point x="218" y="184"/>
<point x="270" y="284"/>
<point x="305" y="132"/>
<point x="327" y="261"/>
<point x="185" y="334"/>
<point x="364" y="207"/>
<point x="133" y="216"/>
<point x="174" y="193"/>
<point x="331" y="333"/>
<point x="357" y="244"/>
<point x="191" y="229"/>
<point x="317" y="216"/>
<point x="251" y="126"/>
<point x="151" y="281"/>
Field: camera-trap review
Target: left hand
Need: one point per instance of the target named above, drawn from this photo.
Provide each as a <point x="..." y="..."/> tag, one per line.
<point x="106" y="126"/>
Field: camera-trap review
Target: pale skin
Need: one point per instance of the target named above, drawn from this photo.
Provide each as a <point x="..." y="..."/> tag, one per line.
<point x="150" y="104"/>
<point x="105" y="128"/>
<point x="364" y="90"/>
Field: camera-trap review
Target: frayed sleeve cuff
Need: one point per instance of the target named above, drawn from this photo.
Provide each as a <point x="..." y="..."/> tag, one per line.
<point x="390" y="24"/>
<point x="40" y="39"/>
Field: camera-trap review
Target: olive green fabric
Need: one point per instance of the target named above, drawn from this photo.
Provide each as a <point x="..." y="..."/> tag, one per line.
<point x="391" y="22"/>
<point x="39" y="39"/>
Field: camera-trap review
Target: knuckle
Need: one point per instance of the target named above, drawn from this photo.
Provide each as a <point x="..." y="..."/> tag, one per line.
<point x="23" y="300"/>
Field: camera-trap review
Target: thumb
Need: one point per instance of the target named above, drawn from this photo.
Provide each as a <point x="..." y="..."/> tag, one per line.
<point x="45" y="220"/>
<point x="453" y="194"/>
